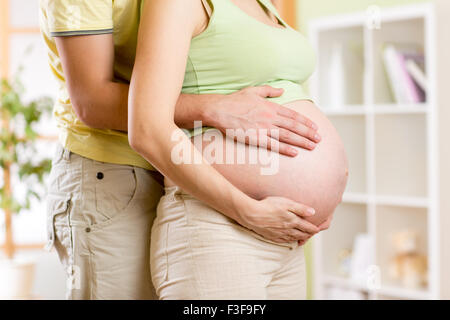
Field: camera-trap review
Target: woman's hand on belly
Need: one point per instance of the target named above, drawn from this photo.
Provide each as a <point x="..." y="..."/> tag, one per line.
<point x="248" y="109"/>
<point x="284" y="222"/>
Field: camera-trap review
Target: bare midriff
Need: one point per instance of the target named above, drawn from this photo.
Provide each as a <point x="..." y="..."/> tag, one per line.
<point x="315" y="178"/>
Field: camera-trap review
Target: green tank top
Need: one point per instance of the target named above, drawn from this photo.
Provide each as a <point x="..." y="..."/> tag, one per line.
<point x="238" y="51"/>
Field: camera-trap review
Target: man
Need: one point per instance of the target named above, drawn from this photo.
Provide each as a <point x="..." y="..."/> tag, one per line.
<point x="102" y="195"/>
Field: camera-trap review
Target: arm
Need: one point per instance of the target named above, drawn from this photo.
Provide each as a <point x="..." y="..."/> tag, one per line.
<point x="101" y="102"/>
<point x="164" y="39"/>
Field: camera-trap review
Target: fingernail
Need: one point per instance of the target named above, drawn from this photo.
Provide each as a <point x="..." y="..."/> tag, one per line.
<point x="317" y="137"/>
<point x="312" y="145"/>
<point x="314" y="126"/>
<point x="311" y="211"/>
<point x="293" y="152"/>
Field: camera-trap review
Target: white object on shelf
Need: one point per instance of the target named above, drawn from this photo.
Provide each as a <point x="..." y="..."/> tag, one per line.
<point x="362" y="257"/>
<point x="393" y="71"/>
<point x="337" y="76"/>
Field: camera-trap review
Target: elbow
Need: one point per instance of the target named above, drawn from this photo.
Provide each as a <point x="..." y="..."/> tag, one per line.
<point x="146" y="137"/>
<point x="135" y="142"/>
<point x="139" y="142"/>
<point x="84" y="113"/>
<point x="137" y="139"/>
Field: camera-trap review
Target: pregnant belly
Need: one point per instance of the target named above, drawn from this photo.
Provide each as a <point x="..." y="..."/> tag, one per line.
<point x="316" y="178"/>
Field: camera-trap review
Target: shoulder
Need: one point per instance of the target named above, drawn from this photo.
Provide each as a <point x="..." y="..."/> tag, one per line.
<point x="190" y="13"/>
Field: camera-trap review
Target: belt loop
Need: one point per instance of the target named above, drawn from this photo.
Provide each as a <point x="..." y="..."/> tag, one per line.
<point x="66" y="154"/>
<point x="58" y="155"/>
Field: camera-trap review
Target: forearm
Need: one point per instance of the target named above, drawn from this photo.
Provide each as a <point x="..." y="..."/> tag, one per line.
<point x="105" y="107"/>
<point x="195" y="107"/>
<point x="188" y="169"/>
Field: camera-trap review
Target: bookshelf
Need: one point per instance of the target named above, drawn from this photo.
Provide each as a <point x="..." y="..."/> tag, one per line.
<point x="396" y="154"/>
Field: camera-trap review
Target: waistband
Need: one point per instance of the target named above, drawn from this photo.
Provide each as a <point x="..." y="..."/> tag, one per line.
<point x="67" y="155"/>
<point x="175" y="193"/>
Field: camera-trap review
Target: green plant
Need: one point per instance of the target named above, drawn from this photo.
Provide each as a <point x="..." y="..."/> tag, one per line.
<point x="18" y="150"/>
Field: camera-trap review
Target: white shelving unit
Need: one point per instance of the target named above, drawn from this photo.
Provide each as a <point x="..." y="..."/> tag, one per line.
<point x="393" y="150"/>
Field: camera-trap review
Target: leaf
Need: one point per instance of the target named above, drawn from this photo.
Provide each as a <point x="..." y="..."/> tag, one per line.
<point x="21" y="116"/>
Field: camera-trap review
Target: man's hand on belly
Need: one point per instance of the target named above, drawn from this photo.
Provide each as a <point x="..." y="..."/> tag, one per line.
<point x="249" y="110"/>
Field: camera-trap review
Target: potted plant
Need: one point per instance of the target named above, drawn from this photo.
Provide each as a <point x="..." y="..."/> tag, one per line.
<point x="18" y="156"/>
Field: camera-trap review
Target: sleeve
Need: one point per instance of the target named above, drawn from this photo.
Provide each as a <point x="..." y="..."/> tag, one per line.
<point x="79" y="17"/>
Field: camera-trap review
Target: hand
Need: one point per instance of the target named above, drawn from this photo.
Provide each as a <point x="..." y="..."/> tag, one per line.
<point x="248" y="109"/>
<point x="280" y="220"/>
<point x="324" y="226"/>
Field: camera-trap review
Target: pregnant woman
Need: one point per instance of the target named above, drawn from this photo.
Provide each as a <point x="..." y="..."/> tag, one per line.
<point x="201" y="246"/>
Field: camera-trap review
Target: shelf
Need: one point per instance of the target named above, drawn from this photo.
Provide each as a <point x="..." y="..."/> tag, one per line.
<point x="402" y="293"/>
<point x="353" y="110"/>
<point x="357" y="198"/>
<point x="401" y="108"/>
<point x="387" y="291"/>
<point x="363" y="198"/>
<point x="345" y="283"/>
<point x="380" y="109"/>
<point x="393" y="150"/>
<point x="412" y="202"/>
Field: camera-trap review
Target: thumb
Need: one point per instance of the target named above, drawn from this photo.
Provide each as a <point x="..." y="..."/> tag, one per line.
<point x="269" y="92"/>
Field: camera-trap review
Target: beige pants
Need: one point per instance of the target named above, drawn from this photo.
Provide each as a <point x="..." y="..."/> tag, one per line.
<point x="198" y="253"/>
<point x="99" y="221"/>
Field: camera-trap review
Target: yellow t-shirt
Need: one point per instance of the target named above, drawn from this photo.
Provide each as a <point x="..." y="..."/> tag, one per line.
<point x="80" y="17"/>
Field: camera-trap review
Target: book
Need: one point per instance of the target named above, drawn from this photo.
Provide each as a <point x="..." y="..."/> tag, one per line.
<point x="392" y="70"/>
<point x="404" y="88"/>
<point x="417" y="74"/>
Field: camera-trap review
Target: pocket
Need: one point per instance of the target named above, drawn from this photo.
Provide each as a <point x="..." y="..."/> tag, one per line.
<point x="57" y="213"/>
<point x="115" y="189"/>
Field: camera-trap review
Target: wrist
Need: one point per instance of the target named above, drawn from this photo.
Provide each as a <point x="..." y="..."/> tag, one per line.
<point x="196" y="107"/>
<point x="245" y="208"/>
<point x="210" y="110"/>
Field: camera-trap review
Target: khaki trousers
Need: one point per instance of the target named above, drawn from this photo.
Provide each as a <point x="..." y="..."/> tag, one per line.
<point x="99" y="221"/>
<point x="198" y="253"/>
